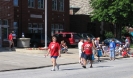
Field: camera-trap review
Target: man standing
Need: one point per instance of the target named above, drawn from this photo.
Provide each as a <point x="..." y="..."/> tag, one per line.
<point x="80" y="51"/>
<point x="10" y="38"/>
<point x="87" y="49"/>
<point x="112" y="50"/>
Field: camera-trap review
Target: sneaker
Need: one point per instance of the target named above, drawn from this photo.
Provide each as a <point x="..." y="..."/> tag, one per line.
<point x="84" y="66"/>
<point x="52" y="69"/>
<point x="57" y="67"/>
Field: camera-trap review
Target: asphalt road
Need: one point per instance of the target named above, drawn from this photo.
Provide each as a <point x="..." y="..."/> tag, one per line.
<point x="120" y="68"/>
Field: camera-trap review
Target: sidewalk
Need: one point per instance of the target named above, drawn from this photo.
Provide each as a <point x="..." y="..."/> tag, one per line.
<point x="23" y="59"/>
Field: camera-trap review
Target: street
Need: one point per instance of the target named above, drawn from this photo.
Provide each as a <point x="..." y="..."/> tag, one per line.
<point x="120" y="68"/>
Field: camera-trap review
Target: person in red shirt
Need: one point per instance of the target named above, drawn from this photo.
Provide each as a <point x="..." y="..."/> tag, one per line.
<point x="87" y="49"/>
<point x="54" y="51"/>
<point x="10" y="38"/>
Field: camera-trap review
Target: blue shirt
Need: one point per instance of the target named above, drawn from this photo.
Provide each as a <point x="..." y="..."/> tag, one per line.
<point x="112" y="45"/>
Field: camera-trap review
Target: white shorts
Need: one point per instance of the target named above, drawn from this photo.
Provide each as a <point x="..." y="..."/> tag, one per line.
<point x="80" y="52"/>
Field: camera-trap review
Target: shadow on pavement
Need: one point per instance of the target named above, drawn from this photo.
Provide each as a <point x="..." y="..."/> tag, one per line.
<point x="103" y="66"/>
<point x="72" y="69"/>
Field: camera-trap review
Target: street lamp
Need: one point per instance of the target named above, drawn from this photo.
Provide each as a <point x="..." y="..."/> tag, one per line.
<point x="45" y="24"/>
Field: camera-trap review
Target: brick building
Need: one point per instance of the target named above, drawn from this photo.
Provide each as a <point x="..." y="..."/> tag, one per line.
<point x="28" y="16"/>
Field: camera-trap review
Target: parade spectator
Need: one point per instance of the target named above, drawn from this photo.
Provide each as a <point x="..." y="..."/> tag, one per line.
<point x="112" y="49"/>
<point x="120" y="50"/>
<point x="99" y="53"/>
<point x="94" y="48"/>
<point x="80" y="51"/>
<point x="124" y="53"/>
<point x="14" y="38"/>
<point x="64" y="48"/>
<point x="127" y="43"/>
<point x="11" y="43"/>
<point x="105" y="49"/>
<point x="97" y="40"/>
<point x="54" y="51"/>
<point x="87" y="49"/>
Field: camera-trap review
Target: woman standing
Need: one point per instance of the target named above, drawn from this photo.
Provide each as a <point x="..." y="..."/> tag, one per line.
<point x="54" y="51"/>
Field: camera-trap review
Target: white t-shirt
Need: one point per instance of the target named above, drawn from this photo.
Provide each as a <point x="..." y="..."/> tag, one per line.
<point x="105" y="48"/>
<point x="14" y="36"/>
<point x="80" y="45"/>
<point x="120" y="48"/>
<point x="97" y="43"/>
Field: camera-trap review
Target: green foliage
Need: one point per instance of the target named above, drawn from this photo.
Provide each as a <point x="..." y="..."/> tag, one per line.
<point x="109" y="34"/>
<point x="124" y="31"/>
<point x="113" y="11"/>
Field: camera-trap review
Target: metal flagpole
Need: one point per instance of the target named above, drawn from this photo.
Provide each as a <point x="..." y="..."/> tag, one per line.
<point x="45" y="24"/>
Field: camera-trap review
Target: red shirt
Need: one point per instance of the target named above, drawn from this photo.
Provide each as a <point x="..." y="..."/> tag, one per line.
<point x="10" y="37"/>
<point x="124" y="53"/>
<point x="87" y="48"/>
<point x="54" y="48"/>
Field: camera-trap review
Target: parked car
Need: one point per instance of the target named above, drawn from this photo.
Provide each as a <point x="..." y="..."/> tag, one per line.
<point x="86" y="35"/>
<point x="37" y="39"/>
<point x="70" y="38"/>
<point x="117" y="41"/>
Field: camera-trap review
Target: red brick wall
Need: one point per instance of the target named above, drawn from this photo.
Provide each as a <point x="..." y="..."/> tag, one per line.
<point x="22" y="13"/>
<point x="7" y="12"/>
<point x="54" y="17"/>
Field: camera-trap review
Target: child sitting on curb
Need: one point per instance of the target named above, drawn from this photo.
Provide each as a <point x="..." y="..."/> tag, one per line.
<point x="64" y="47"/>
<point x="125" y="53"/>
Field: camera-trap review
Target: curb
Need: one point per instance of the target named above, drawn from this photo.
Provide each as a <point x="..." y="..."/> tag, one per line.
<point x="49" y="65"/>
<point x="40" y="48"/>
<point x="36" y="67"/>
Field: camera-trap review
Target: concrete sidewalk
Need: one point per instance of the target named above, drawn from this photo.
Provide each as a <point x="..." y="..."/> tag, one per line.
<point x="22" y="59"/>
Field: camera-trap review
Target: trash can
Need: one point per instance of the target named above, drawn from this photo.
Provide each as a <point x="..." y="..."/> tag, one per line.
<point x="23" y="42"/>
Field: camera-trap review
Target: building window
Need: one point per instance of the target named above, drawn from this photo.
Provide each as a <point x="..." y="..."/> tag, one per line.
<point x="40" y="3"/>
<point x="30" y="28"/>
<point x="5" y="22"/>
<point x="15" y="24"/>
<point x="61" y="5"/>
<point x="34" y="25"/>
<point x="5" y="33"/>
<point x="31" y="3"/>
<point x="56" y="26"/>
<point x="15" y="2"/>
<point x="61" y="27"/>
<point x="0" y="22"/>
<point x="35" y="28"/>
<point x="40" y="28"/>
<point x="54" y="4"/>
<point x="40" y="25"/>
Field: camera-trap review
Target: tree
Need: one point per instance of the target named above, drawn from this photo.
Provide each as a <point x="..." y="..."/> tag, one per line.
<point x="109" y="34"/>
<point x="113" y="11"/>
